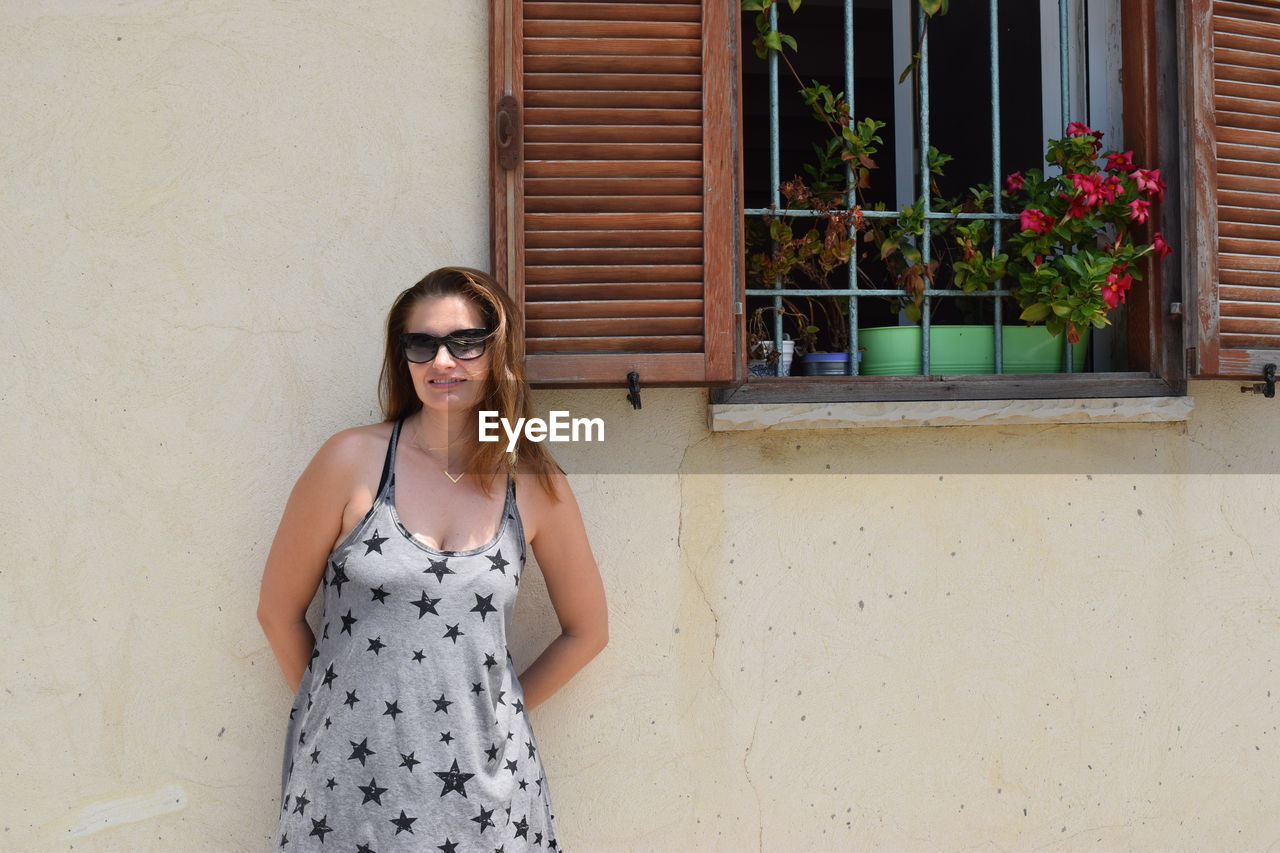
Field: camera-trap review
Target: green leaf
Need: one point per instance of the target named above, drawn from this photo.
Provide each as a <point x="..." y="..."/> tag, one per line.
<point x="794" y="4"/>
<point x="772" y="40"/>
<point x="752" y="6"/>
<point x="790" y="42"/>
<point x="1035" y="313"/>
<point x="932" y="7"/>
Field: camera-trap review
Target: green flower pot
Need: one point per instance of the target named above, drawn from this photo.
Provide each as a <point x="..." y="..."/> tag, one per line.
<point x="960" y="349"/>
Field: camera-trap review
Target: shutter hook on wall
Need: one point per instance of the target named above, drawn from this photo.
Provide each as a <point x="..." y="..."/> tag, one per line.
<point x="633" y="384"/>
<point x="1267" y="387"/>
<point x="507" y="132"/>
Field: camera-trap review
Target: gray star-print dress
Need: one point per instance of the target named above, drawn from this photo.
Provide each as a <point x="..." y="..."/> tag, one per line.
<point x="408" y="731"/>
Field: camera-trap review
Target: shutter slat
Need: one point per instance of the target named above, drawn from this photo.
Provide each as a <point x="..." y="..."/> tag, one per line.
<point x="611" y="133"/>
<point x="613" y="221"/>
<point x="1242" y="58"/>
<point x="1247" y="74"/>
<point x="1239" y="293"/>
<point x="1260" y="47"/>
<point x="614" y="290"/>
<point x="612" y="239"/>
<point x="1248" y="167"/>
<point x="1252" y="326"/>
<point x="1259" y="28"/>
<point x="661" y="100"/>
<point x="612" y="151"/>
<point x="1249" y="120"/>
<point x="1248" y="183"/>
<point x="616" y="29"/>
<point x="613" y="169"/>
<point x="1240" y="214"/>
<point x="1266" y="310"/>
<point x="1229" y="261"/>
<point x="1250" y="11"/>
<point x="1252" y="201"/>
<point x="613" y="84"/>
<point x="1258" y="138"/>
<point x="614" y="48"/>
<point x="613" y="186"/>
<point x="599" y="308"/>
<point x="1249" y="230"/>
<point x="647" y="343"/>
<point x="613" y="204"/>
<point x="614" y="326"/>
<point x="614" y="255"/>
<point x="1262" y="249"/>
<point x="1247" y="278"/>
<point x="674" y="65"/>
<point x="1249" y="91"/>
<point x="558" y="115"/>
<point x="617" y="273"/>
<point x="613" y="11"/>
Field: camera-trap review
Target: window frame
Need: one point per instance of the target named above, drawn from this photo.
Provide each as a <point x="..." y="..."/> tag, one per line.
<point x="1155" y="334"/>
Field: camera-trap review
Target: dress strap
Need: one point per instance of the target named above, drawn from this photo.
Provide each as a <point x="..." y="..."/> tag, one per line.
<point x="389" y="460"/>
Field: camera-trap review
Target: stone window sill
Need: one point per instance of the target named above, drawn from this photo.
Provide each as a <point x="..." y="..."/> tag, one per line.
<point x="725" y="417"/>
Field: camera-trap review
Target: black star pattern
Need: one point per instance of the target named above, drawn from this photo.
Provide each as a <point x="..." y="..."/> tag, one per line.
<point x="319" y="827"/>
<point x="454" y="780"/>
<point x="372" y="792"/>
<point x="426" y="605"/>
<point x="347" y="622"/>
<point x="484" y="605"/>
<point x="360" y="751"/>
<point x="403" y="823"/>
<point x="375" y="746"/>
<point x="439" y="568"/>
<point x="339" y="576"/>
<point x="373" y="543"/>
<point x="484" y="819"/>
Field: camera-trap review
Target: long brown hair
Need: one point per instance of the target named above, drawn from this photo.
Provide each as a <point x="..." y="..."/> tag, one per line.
<point x="506" y="390"/>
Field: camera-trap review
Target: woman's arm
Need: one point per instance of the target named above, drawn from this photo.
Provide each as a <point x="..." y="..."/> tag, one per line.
<point x="311" y="522"/>
<point x="576" y="592"/>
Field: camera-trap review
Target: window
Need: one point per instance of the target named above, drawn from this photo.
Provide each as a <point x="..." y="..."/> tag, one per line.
<point x="617" y="204"/>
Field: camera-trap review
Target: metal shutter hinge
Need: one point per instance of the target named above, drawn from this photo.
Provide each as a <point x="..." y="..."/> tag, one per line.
<point x="633" y="386"/>
<point x="1267" y="387"/>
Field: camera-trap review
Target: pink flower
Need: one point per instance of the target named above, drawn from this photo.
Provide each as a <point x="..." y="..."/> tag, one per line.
<point x="1110" y="188"/>
<point x="1139" y="210"/>
<point x="1118" y="282"/>
<point x="1120" y="162"/>
<point x="1162" y="248"/>
<point x="1013" y="183"/>
<point x="1039" y="259"/>
<point x="1034" y="219"/>
<point x="1149" y="182"/>
<point x="1079" y="207"/>
<point x="1079" y="128"/>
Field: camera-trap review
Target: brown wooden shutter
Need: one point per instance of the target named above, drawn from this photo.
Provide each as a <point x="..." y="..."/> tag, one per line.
<point x="615" y="209"/>
<point x="1233" y="192"/>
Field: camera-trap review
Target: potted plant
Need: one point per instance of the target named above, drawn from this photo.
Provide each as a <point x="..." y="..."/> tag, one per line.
<point x="1077" y="253"/>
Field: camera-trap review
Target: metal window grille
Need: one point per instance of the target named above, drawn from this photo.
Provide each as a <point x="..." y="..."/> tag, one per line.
<point x="996" y="216"/>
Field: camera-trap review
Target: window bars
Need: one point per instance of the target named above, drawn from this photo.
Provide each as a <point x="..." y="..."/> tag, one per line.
<point x="996" y="216"/>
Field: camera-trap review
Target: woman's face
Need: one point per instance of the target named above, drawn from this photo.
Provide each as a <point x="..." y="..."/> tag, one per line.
<point x="448" y="385"/>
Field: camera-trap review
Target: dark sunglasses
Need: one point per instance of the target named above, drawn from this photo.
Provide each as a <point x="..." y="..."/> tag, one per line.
<point x="464" y="344"/>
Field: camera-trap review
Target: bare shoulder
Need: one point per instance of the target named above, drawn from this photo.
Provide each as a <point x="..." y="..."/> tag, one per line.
<point x="539" y="510"/>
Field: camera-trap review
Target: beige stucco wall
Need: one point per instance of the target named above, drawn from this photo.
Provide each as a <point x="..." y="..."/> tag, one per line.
<point x="208" y="208"/>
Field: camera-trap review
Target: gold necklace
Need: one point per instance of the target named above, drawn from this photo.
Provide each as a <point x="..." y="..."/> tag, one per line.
<point x="418" y="443"/>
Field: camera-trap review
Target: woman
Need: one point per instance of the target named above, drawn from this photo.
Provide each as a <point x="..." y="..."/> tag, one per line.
<point x="409" y="725"/>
